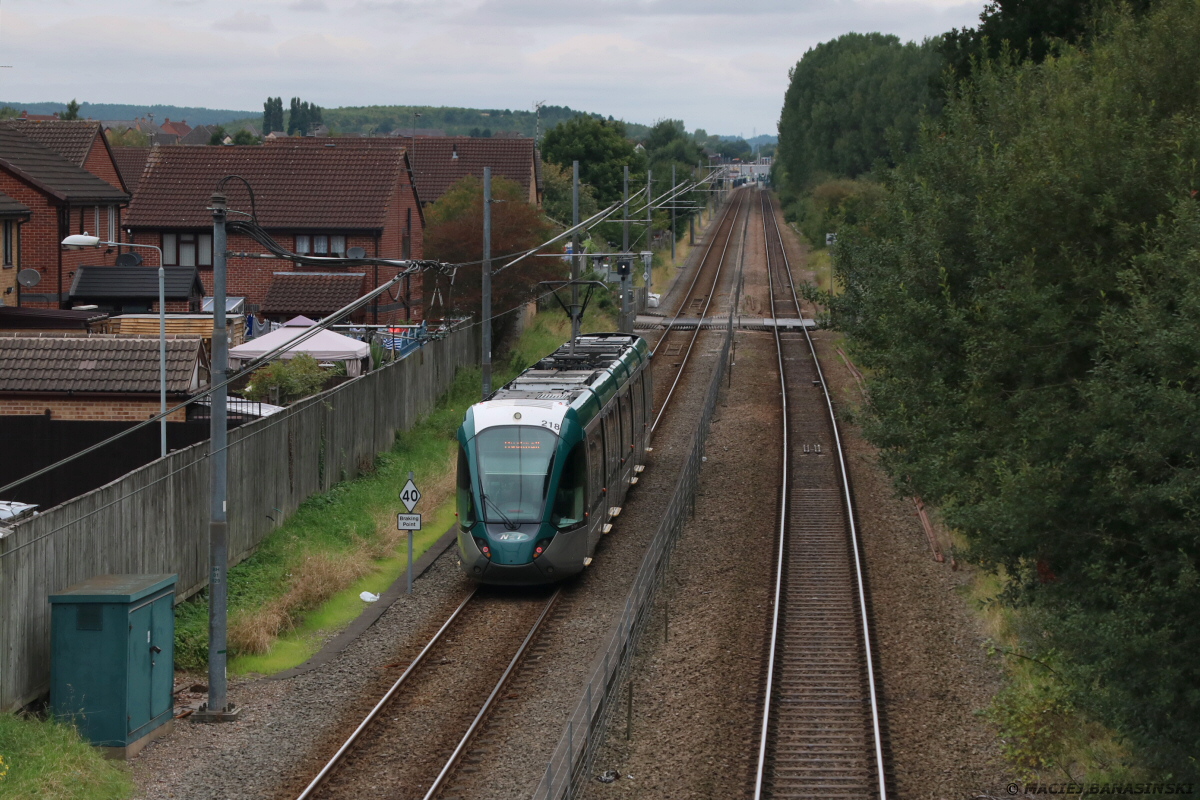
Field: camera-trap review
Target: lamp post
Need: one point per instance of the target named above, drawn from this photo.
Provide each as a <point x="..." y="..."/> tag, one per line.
<point x="80" y="241"/>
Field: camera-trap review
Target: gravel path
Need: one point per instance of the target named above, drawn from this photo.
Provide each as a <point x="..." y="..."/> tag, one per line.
<point x="698" y="673"/>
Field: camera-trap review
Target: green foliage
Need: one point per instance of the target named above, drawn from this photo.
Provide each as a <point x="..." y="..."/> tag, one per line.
<point x="72" y="111"/>
<point x="272" y="115"/>
<point x="285" y="381"/>
<point x="8" y="112"/>
<point x="603" y="151"/>
<point x="245" y="137"/>
<point x="218" y="136"/>
<point x="852" y="103"/>
<point x="835" y="203"/>
<point x="128" y="137"/>
<point x="48" y="760"/>
<point x="1029" y="29"/>
<point x="556" y="195"/>
<point x="379" y="120"/>
<point x="303" y="117"/>
<point x="454" y="233"/>
<point x="1028" y="304"/>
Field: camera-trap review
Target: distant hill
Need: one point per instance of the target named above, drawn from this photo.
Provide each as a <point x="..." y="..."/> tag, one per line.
<point x="193" y="116"/>
<point x="453" y="120"/>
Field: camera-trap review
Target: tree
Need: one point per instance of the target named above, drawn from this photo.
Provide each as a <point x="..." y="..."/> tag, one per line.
<point x="603" y="151"/>
<point x="218" y="136"/>
<point x="454" y="233"/>
<point x="245" y="137"/>
<point x="556" y="196"/>
<point x="1028" y="28"/>
<point x="1027" y="301"/>
<point x="72" y="111"/>
<point x="854" y="102"/>
<point x="272" y="115"/>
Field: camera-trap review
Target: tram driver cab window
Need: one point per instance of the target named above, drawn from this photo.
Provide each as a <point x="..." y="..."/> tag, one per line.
<point x="465" y="500"/>
<point x="569" y="500"/>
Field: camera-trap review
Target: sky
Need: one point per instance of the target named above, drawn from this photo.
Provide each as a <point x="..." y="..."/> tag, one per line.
<point x="721" y="65"/>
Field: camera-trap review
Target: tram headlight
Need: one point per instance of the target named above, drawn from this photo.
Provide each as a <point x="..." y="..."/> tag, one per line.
<point x="483" y="547"/>
<point x="541" y="547"/>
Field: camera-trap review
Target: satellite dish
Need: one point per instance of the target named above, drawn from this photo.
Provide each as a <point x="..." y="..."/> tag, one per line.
<point x="356" y="252"/>
<point x="29" y="277"/>
<point x="129" y="260"/>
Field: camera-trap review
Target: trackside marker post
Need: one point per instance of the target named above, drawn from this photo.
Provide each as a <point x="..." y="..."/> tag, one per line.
<point x="410" y="522"/>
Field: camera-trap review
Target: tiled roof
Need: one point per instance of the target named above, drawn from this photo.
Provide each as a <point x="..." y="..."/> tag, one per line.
<point x="10" y="208"/>
<point x="133" y="283"/>
<point x="55" y="318"/>
<point x="437" y="169"/>
<point x="314" y="294"/>
<point x="52" y="173"/>
<point x="131" y="161"/>
<point x="201" y="134"/>
<point x="70" y="138"/>
<point x="98" y="363"/>
<point x="434" y="161"/>
<point x="297" y="186"/>
<point x="180" y="129"/>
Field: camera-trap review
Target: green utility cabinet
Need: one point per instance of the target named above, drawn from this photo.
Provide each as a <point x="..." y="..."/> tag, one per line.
<point x="112" y="662"/>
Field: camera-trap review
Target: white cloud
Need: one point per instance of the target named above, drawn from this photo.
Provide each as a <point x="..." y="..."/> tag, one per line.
<point x="245" y="22"/>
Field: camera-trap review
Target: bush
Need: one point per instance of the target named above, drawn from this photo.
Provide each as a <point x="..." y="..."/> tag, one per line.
<point x="286" y="380"/>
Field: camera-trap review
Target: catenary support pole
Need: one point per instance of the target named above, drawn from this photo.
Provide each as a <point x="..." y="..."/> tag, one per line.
<point x="674" y="189"/>
<point x="162" y="357"/>
<point x="575" y="245"/>
<point x="624" y="326"/>
<point x="487" y="282"/>
<point x="218" y="707"/>
<point x="649" y="242"/>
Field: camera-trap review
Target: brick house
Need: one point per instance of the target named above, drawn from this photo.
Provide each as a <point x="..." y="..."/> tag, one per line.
<point x="80" y="141"/>
<point x="318" y="201"/>
<point x="12" y="215"/>
<point x="96" y="377"/>
<point x="62" y="198"/>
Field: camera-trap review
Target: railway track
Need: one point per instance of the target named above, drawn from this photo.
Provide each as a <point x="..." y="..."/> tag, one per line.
<point x="677" y="341"/>
<point x="820" y="731"/>
<point x="414" y="737"/>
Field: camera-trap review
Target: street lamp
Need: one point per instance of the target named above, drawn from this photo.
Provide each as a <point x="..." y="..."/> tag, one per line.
<point x="80" y="241"/>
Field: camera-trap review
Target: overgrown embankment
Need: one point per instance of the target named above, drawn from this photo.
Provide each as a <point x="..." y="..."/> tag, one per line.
<point x="1026" y="300"/>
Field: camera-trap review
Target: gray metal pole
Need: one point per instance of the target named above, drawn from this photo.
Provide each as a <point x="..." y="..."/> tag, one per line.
<point x="624" y="324"/>
<point x="487" y="282"/>
<point x="218" y="537"/>
<point x="673" y="190"/>
<point x="162" y="358"/>
<point x="575" y="253"/>
<point x="649" y="240"/>
<point x="410" y="549"/>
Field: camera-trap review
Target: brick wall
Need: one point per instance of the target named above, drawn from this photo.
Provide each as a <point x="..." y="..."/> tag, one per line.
<point x="99" y="162"/>
<point x="40" y="243"/>
<point x="97" y="409"/>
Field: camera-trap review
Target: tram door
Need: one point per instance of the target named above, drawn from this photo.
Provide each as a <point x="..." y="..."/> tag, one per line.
<point x="599" y="500"/>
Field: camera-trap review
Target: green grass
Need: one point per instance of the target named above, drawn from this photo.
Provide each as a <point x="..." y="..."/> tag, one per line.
<point x="49" y="761"/>
<point x="357" y="515"/>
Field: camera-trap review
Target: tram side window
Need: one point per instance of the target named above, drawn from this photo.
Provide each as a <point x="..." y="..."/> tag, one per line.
<point x="569" y="500"/>
<point x="639" y="415"/>
<point x="465" y="500"/>
<point x="596" y="458"/>
<point x="626" y="428"/>
<point x="611" y="432"/>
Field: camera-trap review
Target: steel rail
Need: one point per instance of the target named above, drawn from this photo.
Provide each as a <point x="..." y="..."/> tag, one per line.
<point x="783" y="510"/>
<point x="853" y="529"/>
<point x="440" y="780"/>
<point x="345" y="748"/>
<point x="734" y="210"/>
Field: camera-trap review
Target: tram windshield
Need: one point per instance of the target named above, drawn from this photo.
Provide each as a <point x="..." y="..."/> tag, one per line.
<point x="514" y="472"/>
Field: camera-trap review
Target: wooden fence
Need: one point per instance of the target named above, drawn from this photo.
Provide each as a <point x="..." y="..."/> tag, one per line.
<point x="155" y="519"/>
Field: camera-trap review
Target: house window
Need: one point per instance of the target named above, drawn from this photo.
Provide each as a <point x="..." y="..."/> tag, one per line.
<point x="96" y="219"/>
<point x="10" y="241"/>
<point x="112" y="223"/>
<point x="320" y="244"/>
<point x="187" y="249"/>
